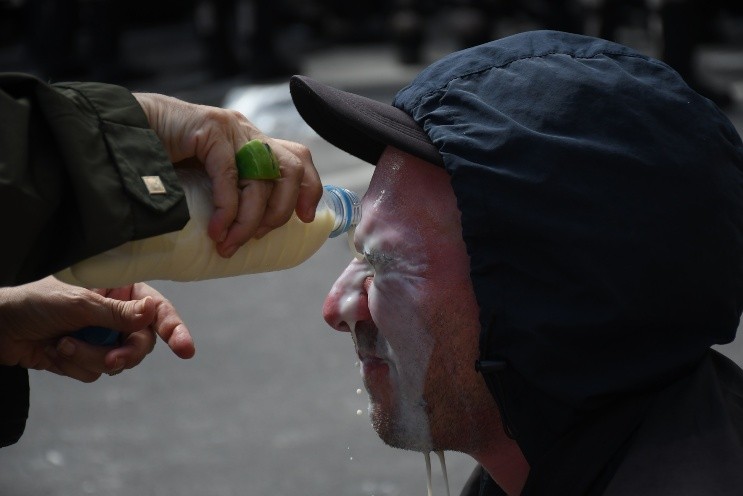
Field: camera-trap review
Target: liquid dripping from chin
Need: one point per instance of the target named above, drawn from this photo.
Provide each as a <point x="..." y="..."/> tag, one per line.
<point x="427" y="455"/>
<point x="443" y="470"/>
<point x="442" y="460"/>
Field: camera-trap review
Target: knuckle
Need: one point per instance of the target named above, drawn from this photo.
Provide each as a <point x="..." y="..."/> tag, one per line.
<point x="303" y="151"/>
<point x="229" y="174"/>
<point x="80" y="301"/>
<point x="294" y="161"/>
<point x="163" y="302"/>
<point x="116" y="309"/>
<point x="74" y="297"/>
<point x="238" y="116"/>
<point x="218" y="114"/>
<point x="276" y="219"/>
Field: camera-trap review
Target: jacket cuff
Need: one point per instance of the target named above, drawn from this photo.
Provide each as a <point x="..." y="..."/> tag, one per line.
<point x="156" y="200"/>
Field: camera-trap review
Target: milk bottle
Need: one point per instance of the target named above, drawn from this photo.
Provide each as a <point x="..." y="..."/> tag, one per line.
<point x="189" y="254"/>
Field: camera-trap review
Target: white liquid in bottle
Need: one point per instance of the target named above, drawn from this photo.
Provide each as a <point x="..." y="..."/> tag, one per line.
<point x="189" y="254"/>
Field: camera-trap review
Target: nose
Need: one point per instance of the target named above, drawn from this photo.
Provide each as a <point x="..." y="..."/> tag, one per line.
<point x="345" y="305"/>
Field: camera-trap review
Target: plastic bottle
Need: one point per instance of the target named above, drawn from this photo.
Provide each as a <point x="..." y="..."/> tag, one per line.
<point x="189" y="254"/>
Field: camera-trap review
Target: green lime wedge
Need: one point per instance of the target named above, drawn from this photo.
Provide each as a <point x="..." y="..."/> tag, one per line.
<point x="255" y="160"/>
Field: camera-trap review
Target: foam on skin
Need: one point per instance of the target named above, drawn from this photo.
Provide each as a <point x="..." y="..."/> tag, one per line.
<point x="398" y="336"/>
<point x="411" y="307"/>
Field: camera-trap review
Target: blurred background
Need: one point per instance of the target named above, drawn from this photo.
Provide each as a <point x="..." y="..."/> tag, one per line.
<point x="269" y="404"/>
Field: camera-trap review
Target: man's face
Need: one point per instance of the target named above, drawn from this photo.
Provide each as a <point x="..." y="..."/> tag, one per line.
<point x="411" y="309"/>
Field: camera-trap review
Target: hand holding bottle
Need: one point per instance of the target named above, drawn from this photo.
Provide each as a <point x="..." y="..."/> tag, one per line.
<point x="211" y="136"/>
<point x="37" y="317"/>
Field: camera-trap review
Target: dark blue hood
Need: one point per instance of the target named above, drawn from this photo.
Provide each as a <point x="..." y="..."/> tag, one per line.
<point x="602" y="208"/>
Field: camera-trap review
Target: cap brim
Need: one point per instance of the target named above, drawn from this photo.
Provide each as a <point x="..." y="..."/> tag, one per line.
<point x="358" y="125"/>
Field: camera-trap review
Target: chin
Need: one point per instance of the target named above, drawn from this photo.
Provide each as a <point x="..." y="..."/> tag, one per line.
<point x="409" y="431"/>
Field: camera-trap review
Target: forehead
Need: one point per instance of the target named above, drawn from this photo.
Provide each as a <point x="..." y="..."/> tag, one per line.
<point x="408" y="189"/>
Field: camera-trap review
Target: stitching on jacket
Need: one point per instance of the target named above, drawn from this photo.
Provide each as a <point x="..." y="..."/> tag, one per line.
<point x="527" y="57"/>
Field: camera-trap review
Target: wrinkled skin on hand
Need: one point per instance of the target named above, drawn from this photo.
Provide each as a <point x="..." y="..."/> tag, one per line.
<point x="210" y="137"/>
<point x="37" y="318"/>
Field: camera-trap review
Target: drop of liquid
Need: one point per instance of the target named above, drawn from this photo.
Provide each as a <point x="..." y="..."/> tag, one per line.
<point x="359" y="412"/>
<point x="359" y="391"/>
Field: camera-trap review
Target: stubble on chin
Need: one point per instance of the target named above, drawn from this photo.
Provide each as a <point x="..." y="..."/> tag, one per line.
<point x="406" y="429"/>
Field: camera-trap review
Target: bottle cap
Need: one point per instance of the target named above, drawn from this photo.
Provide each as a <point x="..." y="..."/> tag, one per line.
<point x="347" y="206"/>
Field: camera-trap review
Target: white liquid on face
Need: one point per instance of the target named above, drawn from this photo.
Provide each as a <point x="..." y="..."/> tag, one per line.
<point x="189" y="254"/>
<point x="392" y="257"/>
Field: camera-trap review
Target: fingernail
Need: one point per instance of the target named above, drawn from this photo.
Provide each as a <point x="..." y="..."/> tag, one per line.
<point x="118" y="365"/>
<point x="309" y="214"/>
<point x="66" y="347"/>
<point x="230" y="250"/>
<point x="222" y="236"/>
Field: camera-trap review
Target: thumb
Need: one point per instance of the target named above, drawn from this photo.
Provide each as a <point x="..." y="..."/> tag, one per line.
<point x="126" y="316"/>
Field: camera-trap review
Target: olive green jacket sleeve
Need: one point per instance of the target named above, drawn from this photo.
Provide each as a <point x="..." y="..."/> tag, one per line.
<point x="72" y="161"/>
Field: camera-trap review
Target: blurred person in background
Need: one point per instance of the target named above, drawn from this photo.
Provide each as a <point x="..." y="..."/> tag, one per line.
<point x="79" y="40"/>
<point x="474" y="22"/>
<point x="244" y="38"/>
<point x="685" y="26"/>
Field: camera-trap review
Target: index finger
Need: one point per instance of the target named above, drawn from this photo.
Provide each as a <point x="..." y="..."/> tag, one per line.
<point x="307" y="179"/>
<point x="167" y="323"/>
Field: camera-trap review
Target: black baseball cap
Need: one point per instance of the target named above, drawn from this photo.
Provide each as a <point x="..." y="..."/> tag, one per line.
<point x="359" y="125"/>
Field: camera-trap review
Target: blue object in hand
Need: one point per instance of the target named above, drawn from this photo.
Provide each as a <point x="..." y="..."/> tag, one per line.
<point x="99" y="336"/>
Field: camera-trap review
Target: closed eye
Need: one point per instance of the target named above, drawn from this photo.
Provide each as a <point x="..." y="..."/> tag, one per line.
<point x="377" y="259"/>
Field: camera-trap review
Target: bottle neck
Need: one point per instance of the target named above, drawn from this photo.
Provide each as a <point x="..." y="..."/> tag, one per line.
<point x="346" y="208"/>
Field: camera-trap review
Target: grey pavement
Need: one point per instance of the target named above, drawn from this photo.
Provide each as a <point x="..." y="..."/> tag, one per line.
<point x="269" y="403"/>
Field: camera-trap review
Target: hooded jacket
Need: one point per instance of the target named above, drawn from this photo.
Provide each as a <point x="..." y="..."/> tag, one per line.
<point x="602" y="209"/>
